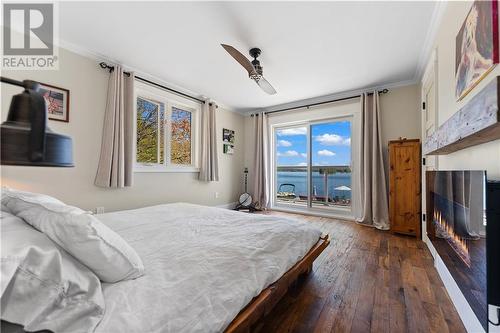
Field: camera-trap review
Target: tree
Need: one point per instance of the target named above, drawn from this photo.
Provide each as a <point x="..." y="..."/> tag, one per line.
<point x="180" y="149"/>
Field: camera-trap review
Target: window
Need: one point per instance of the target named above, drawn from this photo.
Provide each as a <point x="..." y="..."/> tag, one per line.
<point x="166" y="128"/>
<point x="150" y="131"/>
<point x="331" y="164"/>
<point x="180" y="144"/>
<point x="313" y="165"/>
<point x="291" y="165"/>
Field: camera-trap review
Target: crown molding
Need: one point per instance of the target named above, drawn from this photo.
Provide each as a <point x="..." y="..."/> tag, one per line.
<point x="98" y="57"/>
<point x="425" y="53"/>
<point x="323" y="98"/>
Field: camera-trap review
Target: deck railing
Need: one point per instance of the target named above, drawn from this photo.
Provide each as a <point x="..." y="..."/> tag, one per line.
<point x="323" y="192"/>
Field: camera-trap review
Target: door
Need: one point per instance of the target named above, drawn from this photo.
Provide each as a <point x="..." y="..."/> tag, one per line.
<point x="429" y="96"/>
<point x="312" y="166"/>
<point x="330" y="173"/>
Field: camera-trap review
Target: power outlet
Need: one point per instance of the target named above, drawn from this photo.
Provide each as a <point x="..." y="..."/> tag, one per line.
<point x="99" y="210"/>
<point x="216" y="195"/>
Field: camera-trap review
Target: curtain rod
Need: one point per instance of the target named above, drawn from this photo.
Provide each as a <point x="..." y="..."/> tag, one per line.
<point x="307" y="106"/>
<point x="111" y="68"/>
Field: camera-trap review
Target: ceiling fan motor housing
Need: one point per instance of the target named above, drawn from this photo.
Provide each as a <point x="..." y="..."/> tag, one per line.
<point x="257" y="66"/>
<point x="254" y="53"/>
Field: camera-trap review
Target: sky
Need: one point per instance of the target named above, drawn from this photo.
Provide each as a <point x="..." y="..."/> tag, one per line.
<point x="331" y="144"/>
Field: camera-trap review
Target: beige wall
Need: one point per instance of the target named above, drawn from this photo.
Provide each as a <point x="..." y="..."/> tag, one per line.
<point x="400" y="113"/>
<point x="485" y="156"/>
<point x="400" y="117"/>
<point x="88" y="84"/>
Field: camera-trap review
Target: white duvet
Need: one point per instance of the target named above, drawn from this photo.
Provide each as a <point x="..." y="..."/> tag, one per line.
<point x="202" y="265"/>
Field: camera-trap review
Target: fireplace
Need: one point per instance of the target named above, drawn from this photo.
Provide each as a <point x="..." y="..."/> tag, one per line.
<point x="456" y="226"/>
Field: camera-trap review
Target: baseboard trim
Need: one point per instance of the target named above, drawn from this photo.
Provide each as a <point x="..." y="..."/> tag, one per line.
<point x="313" y="213"/>
<point x="230" y="205"/>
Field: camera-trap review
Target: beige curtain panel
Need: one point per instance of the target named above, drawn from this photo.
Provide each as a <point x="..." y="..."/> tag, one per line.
<point x="209" y="166"/>
<point x="115" y="161"/>
<point x="373" y="186"/>
<point x="261" y="180"/>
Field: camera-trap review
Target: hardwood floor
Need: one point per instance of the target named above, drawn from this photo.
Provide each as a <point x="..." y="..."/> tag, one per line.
<point x="366" y="281"/>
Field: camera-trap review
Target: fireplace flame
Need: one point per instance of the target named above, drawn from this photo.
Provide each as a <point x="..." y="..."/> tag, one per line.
<point x="458" y="243"/>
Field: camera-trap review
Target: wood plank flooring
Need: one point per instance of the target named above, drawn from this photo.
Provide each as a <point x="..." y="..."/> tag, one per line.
<point x="366" y="281"/>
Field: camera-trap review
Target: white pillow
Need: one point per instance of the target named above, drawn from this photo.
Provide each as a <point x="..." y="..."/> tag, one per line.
<point x="42" y="286"/>
<point x="81" y="234"/>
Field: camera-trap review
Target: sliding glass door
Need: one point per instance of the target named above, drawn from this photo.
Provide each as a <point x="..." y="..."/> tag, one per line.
<point x="331" y="164"/>
<point x="292" y="187"/>
<point x="313" y="165"/>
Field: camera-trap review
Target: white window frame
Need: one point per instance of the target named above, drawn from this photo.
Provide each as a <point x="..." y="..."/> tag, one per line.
<point x="305" y="118"/>
<point x="169" y="100"/>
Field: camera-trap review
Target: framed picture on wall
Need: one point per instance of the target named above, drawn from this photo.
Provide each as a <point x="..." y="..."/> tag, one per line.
<point x="476" y="46"/>
<point x="228" y="149"/>
<point x="57" y="100"/>
<point x="227" y="135"/>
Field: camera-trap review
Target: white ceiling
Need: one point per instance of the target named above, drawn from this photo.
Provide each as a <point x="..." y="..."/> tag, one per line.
<point x="308" y="49"/>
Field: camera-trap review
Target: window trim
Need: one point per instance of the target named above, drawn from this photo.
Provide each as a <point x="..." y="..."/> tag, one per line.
<point x="168" y="99"/>
<point x="332" y="112"/>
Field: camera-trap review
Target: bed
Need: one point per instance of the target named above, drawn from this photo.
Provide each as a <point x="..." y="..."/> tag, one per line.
<point x="206" y="269"/>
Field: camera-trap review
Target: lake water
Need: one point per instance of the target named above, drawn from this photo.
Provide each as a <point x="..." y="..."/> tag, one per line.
<point x="299" y="179"/>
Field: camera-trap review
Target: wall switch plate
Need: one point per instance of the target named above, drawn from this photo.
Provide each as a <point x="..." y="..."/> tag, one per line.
<point x="99" y="210"/>
<point x="216" y="194"/>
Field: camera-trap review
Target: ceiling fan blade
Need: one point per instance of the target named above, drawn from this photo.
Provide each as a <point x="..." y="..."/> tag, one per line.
<point x="266" y="86"/>
<point x="239" y="58"/>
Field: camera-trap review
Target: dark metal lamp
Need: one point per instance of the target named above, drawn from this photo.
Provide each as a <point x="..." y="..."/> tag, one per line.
<point x="26" y="139"/>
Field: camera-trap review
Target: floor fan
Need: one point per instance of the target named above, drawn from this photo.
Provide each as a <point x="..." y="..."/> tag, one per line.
<point x="245" y="200"/>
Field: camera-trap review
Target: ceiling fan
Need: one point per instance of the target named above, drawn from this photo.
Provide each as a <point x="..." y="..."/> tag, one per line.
<point x="253" y="67"/>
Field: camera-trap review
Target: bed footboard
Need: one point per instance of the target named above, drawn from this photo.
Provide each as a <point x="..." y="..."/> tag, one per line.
<point x="261" y="305"/>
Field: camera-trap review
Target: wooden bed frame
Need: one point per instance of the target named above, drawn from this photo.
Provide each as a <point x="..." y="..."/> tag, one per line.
<point x="261" y="305"/>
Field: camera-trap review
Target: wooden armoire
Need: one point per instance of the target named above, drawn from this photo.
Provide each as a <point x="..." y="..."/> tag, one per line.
<point x="404" y="187"/>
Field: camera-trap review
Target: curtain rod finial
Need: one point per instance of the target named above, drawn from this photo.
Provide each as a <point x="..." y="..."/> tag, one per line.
<point x="106" y="66"/>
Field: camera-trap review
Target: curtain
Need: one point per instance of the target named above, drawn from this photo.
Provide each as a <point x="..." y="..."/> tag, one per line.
<point x="115" y="161"/>
<point x="209" y="167"/>
<point x="261" y="181"/>
<point x="374" y="208"/>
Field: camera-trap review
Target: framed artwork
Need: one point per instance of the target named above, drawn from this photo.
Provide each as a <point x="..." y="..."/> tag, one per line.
<point x="228" y="149"/>
<point x="476" y="46"/>
<point x="57" y="100"/>
<point x="227" y="136"/>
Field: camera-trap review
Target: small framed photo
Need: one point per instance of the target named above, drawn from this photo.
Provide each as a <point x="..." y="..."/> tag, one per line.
<point x="228" y="149"/>
<point x="227" y="136"/>
<point x="57" y="100"/>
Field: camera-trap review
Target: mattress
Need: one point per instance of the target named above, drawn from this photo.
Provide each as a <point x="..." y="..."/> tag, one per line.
<point x="203" y="265"/>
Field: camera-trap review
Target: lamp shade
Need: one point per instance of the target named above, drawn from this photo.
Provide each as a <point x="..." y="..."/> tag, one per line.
<point x="26" y="139"/>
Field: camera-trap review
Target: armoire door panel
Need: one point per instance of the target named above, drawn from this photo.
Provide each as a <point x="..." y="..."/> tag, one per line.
<point x="404" y="186"/>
